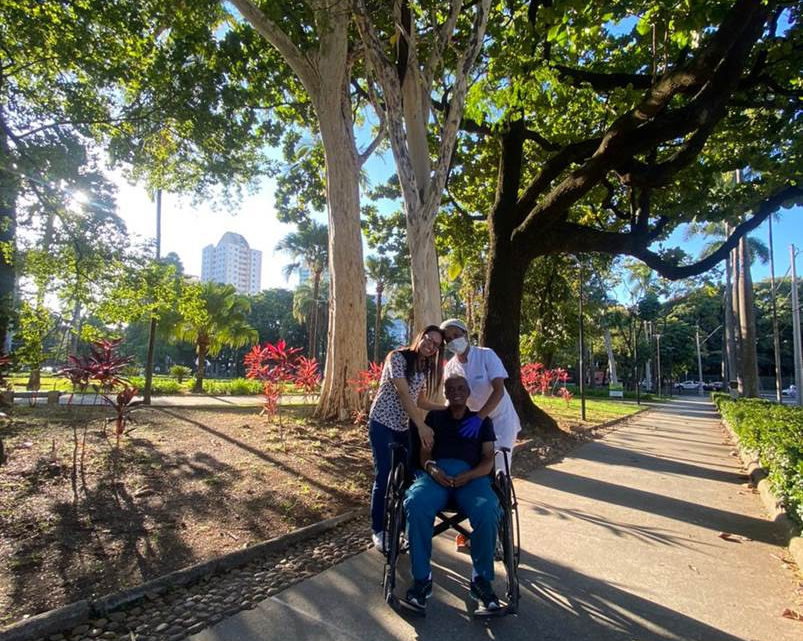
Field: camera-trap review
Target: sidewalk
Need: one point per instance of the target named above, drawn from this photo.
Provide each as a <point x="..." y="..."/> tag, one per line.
<point x="190" y="400"/>
<point x="620" y="542"/>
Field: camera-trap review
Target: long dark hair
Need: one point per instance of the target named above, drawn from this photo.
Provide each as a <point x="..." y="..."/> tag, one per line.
<point x="433" y="366"/>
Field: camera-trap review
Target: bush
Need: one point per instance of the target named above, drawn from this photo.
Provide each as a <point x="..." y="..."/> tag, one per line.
<point x="180" y="372"/>
<point x="775" y="433"/>
<point x="159" y="385"/>
<point x="233" y="387"/>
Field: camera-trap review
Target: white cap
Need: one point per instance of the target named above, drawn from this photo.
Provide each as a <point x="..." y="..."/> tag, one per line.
<point x="454" y="322"/>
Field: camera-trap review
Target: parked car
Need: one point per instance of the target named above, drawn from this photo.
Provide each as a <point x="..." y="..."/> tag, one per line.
<point x="687" y="385"/>
<point x="714" y="386"/>
<point x="790" y="391"/>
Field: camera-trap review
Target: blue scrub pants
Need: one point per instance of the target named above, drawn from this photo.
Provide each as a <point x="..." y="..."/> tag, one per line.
<point x="477" y="500"/>
<point x="381" y="437"/>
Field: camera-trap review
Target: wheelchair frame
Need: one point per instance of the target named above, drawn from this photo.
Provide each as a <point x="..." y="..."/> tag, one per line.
<point x="394" y="526"/>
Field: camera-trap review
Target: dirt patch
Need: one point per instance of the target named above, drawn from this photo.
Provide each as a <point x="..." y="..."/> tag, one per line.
<point x="185" y="486"/>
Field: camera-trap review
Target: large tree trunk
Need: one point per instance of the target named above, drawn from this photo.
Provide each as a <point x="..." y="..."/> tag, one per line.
<point x="425" y="274"/>
<point x="730" y="325"/>
<point x="502" y="325"/>
<point x="504" y="282"/>
<point x="9" y="188"/>
<point x="346" y="352"/>
<point x="737" y="326"/>
<point x="747" y="320"/>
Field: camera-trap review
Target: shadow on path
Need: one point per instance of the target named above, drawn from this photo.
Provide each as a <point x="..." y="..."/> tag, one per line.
<point x="704" y="516"/>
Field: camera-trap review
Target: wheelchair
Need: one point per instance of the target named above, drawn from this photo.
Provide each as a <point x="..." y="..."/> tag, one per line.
<point x="395" y="544"/>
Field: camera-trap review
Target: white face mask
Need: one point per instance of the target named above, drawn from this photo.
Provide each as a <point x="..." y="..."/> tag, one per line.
<point x="458" y="345"/>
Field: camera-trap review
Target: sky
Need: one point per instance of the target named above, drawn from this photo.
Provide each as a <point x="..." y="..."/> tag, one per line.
<point x="187" y="228"/>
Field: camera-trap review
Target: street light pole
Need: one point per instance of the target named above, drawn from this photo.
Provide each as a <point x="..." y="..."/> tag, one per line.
<point x="798" y="357"/>
<point x="699" y="361"/>
<point x="582" y="345"/>
<point x="658" y="338"/>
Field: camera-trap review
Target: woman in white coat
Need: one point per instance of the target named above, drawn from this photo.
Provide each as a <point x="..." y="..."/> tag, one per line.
<point x="486" y="375"/>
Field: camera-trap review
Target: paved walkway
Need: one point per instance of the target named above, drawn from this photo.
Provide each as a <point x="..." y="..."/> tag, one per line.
<point x="620" y="542"/>
<point x="187" y="400"/>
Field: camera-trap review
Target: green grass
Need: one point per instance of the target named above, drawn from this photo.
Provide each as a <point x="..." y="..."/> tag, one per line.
<point x="597" y="410"/>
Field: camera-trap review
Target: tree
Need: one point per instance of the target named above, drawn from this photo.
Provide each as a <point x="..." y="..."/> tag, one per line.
<point x="313" y="39"/>
<point x="601" y="160"/>
<point x="309" y="249"/>
<point x="213" y="316"/>
<point x="272" y="316"/>
<point x="420" y="35"/>
<point x="308" y="306"/>
<point x="383" y="272"/>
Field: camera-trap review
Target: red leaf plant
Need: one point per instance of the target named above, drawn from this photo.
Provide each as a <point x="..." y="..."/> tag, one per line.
<point x="274" y="364"/>
<point x="365" y="385"/>
<point x="122" y="405"/>
<point x="537" y="379"/>
<point x="306" y="376"/>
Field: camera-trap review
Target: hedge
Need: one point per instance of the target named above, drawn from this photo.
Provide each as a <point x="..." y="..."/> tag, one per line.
<point x="775" y="432"/>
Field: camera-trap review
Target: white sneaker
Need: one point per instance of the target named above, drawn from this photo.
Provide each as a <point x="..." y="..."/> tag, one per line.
<point x="378" y="540"/>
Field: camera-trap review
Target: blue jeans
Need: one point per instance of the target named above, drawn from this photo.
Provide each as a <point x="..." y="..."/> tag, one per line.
<point x="477" y="500"/>
<point x="381" y="438"/>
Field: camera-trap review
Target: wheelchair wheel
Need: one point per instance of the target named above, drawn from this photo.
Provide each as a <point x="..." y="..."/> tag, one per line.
<point x="394" y="527"/>
<point x="509" y="536"/>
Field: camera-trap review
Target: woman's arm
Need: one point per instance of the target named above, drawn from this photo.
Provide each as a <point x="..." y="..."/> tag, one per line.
<point x="425" y="404"/>
<point x="403" y="390"/>
<point x="498" y="385"/>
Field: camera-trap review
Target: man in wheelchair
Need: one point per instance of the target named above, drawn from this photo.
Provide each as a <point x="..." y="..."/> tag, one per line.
<point x="456" y="471"/>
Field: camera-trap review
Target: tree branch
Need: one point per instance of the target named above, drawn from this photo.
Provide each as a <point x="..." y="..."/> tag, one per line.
<point x="716" y="67"/>
<point x="268" y="29"/>
<point x="582" y="239"/>
<point x="444" y="37"/>
<point x="452" y="121"/>
<point x="604" y="82"/>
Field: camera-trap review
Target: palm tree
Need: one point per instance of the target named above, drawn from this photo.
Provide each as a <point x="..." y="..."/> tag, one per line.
<point x="305" y="304"/>
<point x="219" y="319"/>
<point x="740" y="317"/>
<point x="309" y="249"/>
<point x="383" y="272"/>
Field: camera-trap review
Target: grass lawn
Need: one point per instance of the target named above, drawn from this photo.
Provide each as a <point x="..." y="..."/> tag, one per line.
<point x="597" y="410"/>
<point x="186" y="485"/>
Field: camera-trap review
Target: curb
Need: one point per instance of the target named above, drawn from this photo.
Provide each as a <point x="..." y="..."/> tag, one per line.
<point x="772" y="504"/>
<point x="73" y="614"/>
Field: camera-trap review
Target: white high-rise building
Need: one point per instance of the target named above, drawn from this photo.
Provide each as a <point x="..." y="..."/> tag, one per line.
<point x="233" y="262"/>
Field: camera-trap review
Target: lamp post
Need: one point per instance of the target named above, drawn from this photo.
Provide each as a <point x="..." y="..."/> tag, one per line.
<point x="658" y="339"/>
<point x="582" y="344"/>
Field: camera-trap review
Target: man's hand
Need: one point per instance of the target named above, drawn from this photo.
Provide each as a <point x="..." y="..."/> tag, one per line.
<point x="461" y="479"/>
<point x="427" y="436"/>
<point x="440" y="476"/>
<point x="470" y="426"/>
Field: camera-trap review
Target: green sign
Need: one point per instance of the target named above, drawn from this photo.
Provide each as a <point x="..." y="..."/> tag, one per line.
<point x="616" y="390"/>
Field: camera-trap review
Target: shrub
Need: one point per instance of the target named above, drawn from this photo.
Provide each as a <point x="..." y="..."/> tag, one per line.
<point x="159" y="385"/>
<point x="233" y="387"/>
<point x="180" y="372"/>
<point x="775" y="433"/>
